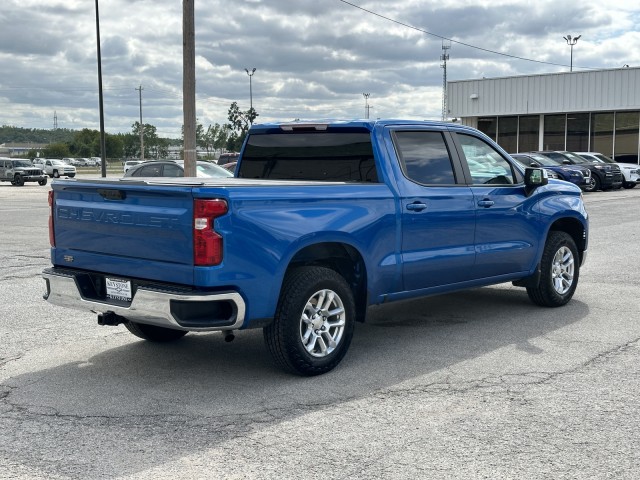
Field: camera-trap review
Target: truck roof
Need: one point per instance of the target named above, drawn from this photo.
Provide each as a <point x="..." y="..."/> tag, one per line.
<point x="368" y="124"/>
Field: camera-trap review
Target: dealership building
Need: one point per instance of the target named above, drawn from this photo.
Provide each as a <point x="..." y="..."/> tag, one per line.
<point x="596" y="111"/>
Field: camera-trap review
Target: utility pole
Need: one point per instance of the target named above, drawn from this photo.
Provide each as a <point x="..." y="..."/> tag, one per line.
<point x="443" y="58"/>
<point x="55" y="120"/>
<point x="141" y="126"/>
<point x="366" y="104"/>
<point x="103" y="144"/>
<point x="189" y="87"/>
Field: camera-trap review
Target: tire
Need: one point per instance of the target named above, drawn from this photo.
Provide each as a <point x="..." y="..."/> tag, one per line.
<point x="628" y="185"/>
<point x="71" y="175"/>
<point x="43" y="181"/>
<point x="56" y="174"/>
<point x="303" y="339"/>
<point x="153" y="333"/>
<point x="18" y="180"/>
<point x="593" y="185"/>
<point x="560" y="270"/>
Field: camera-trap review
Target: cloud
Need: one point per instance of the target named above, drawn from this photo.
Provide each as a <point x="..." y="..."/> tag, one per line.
<point x="311" y="58"/>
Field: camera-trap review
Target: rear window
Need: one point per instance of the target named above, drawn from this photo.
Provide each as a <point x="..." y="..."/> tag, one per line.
<point x="323" y="156"/>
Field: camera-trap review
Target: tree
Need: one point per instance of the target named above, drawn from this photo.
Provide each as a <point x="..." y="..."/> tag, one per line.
<point x="57" y="150"/>
<point x="239" y="123"/>
<point x="113" y="145"/>
<point x="151" y="140"/>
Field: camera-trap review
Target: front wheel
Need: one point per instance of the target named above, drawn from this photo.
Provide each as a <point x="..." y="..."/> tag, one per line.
<point x="56" y="174"/>
<point x="153" y="333"/>
<point x="43" y="181"/>
<point x="18" y="180"/>
<point x="314" y="321"/>
<point x="560" y="269"/>
<point x="593" y="185"/>
<point x="629" y="184"/>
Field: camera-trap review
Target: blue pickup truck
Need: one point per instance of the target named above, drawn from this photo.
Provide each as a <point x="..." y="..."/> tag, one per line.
<point x="321" y="221"/>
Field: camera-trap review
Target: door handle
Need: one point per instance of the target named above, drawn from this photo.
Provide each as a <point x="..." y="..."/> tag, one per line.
<point x="416" y="207"/>
<point x="485" y="203"/>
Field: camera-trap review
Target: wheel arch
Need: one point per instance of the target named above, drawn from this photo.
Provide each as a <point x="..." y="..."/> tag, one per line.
<point x="342" y="258"/>
<point x="575" y="229"/>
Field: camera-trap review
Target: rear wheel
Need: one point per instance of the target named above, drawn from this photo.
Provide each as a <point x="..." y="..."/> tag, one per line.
<point x="314" y="321"/>
<point x="560" y="269"/>
<point x="153" y="333"/>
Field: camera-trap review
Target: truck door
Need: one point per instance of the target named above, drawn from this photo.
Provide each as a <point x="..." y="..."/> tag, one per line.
<point x="506" y="234"/>
<point x="437" y="211"/>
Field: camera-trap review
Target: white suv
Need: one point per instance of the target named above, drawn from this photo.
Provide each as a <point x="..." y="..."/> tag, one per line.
<point x="130" y="163"/>
<point x="630" y="171"/>
<point x="57" y="168"/>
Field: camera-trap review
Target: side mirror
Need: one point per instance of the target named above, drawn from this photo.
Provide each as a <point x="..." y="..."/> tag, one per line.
<point x="534" y="178"/>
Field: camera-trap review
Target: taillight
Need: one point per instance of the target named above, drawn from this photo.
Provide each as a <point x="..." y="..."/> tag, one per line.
<point x="207" y="243"/>
<point x="52" y="238"/>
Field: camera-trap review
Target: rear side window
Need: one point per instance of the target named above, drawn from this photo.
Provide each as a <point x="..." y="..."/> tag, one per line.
<point x="323" y="156"/>
<point x="425" y="157"/>
<point x="172" y="171"/>
<point x="150" y="170"/>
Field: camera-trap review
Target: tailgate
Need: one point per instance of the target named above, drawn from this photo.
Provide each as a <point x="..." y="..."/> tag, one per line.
<point x="134" y="230"/>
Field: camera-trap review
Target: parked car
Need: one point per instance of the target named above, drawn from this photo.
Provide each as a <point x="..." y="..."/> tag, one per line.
<point x="81" y="162"/>
<point x="130" y="163"/>
<point x="603" y="177"/>
<point x="57" y="168"/>
<point x="95" y="161"/>
<point x="18" y="171"/>
<point x="630" y="171"/>
<point x="175" y="168"/>
<point x="576" y="174"/>
<point x="228" y="158"/>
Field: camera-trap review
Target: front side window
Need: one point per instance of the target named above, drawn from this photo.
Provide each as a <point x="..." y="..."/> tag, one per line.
<point x="425" y="157"/>
<point x="486" y="165"/>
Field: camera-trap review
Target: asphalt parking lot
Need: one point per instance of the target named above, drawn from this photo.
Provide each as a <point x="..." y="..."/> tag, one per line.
<point x="480" y="384"/>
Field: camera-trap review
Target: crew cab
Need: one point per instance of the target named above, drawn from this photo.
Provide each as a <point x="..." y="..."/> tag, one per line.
<point x="323" y="220"/>
<point x="57" y="168"/>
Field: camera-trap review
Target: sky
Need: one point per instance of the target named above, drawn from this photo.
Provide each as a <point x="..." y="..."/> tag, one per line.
<point x="314" y="59"/>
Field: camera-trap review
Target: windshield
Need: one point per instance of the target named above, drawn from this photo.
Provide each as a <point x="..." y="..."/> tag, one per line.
<point x="603" y="158"/>
<point x="576" y="159"/>
<point x="544" y="161"/>
<point x="210" y="170"/>
<point x="21" y="163"/>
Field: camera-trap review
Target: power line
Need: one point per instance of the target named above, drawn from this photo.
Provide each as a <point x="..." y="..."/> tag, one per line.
<point x="371" y="12"/>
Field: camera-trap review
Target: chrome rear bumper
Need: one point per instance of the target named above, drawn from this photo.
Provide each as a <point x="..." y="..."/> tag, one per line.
<point x="164" y="308"/>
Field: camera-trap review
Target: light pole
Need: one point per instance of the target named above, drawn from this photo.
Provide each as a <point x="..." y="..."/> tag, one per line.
<point x="366" y="104"/>
<point x="250" y="73"/>
<point x="571" y="42"/>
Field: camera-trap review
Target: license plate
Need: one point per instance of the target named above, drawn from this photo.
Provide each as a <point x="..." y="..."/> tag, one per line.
<point x="118" y="289"/>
